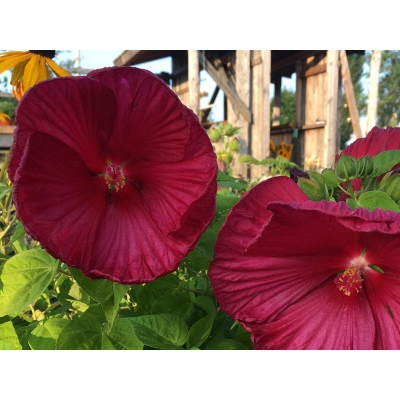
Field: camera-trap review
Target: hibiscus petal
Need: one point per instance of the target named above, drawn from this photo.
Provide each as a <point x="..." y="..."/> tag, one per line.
<point x="323" y="319"/>
<point x="384" y="299"/>
<point x="151" y="122"/>
<point x="58" y="199"/>
<point x="168" y="189"/>
<point x="129" y="248"/>
<point x="375" y="142"/>
<point x="78" y="111"/>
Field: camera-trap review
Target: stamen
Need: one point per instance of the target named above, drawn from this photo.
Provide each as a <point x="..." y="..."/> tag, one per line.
<point x="349" y="281"/>
<point x="114" y="178"/>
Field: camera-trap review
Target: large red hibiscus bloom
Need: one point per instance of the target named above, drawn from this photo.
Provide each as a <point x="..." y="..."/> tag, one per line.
<point x="112" y="173"/>
<point x="300" y="274"/>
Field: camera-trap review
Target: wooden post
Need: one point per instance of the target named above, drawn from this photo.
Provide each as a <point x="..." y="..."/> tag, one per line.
<point x="276" y="110"/>
<point x="266" y="79"/>
<point x="243" y="90"/>
<point x="349" y="90"/>
<point x="194" y="81"/>
<point x="331" y="127"/>
<point x="372" y="107"/>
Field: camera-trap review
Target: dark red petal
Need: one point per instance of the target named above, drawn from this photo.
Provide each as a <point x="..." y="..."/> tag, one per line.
<point x="323" y="319"/>
<point x="57" y="198"/>
<point x="168" y="189"/>
<point x="384" y="298"/>
<point x="151" y="122"/>
<point x="129" y="246"/>
<point x="78" y="111"/>
<point x="376" y="141"/>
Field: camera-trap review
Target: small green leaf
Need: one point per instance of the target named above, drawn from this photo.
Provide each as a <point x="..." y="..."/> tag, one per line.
<point x="23" y="278"/>
<point x="44" y="337"/>
<point x="200" y="330"/>
<point x="385" y="161"/>
<point x="107" y="293"/>
<point x="84" y="332"/>
<point x="377" y="199"/>
<point x="167" y="332"/>
<point x="226" y="180"/>
<point x="248" y="159"/>
<point x="8" y="337"/>
<point x="226" y="344"/>
<point x="121" y="337"/>
<point x="311" y="189"/>
<point x="4" y="189"/>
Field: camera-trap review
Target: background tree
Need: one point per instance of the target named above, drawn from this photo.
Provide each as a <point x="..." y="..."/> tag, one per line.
<point x="356" y="64"/>
<point x="288" y="106"/>
<point x="389" y="89"/>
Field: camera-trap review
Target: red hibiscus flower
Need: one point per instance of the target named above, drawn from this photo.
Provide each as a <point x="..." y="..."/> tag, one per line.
<point x="300" y="274"/>
<point x="112" y="174"/>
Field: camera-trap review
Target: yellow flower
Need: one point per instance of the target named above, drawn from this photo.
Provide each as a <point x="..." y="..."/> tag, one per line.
<point x="4" y="117"/>
<point x="30" y="67"/>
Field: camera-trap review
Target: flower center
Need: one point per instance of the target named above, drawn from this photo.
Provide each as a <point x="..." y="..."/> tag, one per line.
<point x="44" y="53"/>
<point x="114" y="178"/>
<point x="349" y="281"/>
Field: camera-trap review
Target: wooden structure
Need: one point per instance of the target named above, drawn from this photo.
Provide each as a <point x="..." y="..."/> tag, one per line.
<point x="245" y="76"/>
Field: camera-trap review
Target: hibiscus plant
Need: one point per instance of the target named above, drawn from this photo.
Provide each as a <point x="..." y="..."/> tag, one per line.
<point x="118" y="231"/>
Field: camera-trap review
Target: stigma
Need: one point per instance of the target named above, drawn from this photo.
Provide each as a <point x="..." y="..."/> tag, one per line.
<point x="114" y="178"/>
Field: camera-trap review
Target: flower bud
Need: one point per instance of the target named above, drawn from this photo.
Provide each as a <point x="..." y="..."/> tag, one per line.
<point x="214" y="134"/>
<point x="346" y="167"/>
<point x="365" y="166"/>
<point x="233" y="145"/>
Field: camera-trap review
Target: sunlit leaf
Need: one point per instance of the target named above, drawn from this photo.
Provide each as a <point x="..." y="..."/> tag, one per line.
<point x="23" y="278"/>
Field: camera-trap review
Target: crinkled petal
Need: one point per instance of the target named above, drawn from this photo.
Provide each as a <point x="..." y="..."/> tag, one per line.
<point x="78" y="111"/>
<point x="58" y="199"/>
<point x="384" y="298"/>
<point x="168" y="189"/>
<point x="376" y="141"/>
<point x="151" y="123"/>
<point x="323" y="319"/>
<point x="129" y="248"/>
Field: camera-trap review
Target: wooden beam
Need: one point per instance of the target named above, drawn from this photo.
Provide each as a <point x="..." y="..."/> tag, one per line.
<point x="194" y="81"/>
<point x="276" y="109"/>
<point x="349" y="90"/>
<point x="211" y="102"/>
<point x="372" y="107"/>
<point x="222" y="81"/>
<point x="266" y="79"/>
<point x="331" y="130"/>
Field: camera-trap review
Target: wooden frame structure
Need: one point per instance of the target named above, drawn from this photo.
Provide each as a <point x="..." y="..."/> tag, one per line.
<point x="245" y="76"/>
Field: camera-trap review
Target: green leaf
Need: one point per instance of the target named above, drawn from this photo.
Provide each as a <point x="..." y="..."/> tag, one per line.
<point x="311" y="189"/>
<point x="177" y="303"/>
<point x="377" y="199"/>
<point x="200" y="330"/>
<point x="4" y="189"/>
<point x="8" y="337"/>
<point x="391" y="186"/>
<point x="248" y="159"/>
<point x="226" y="180"/>
<point x="146" y="295"/>
<point x="44" y="337"/>
<point x="226" y="344"/>
<point x="107" y="293"/>
<point x="23" y="278"/>
<point x="330" y="178"/>
<point x="167" y="332"/>
<point x="385" y="161"/>
<point x="121" y="337"/>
